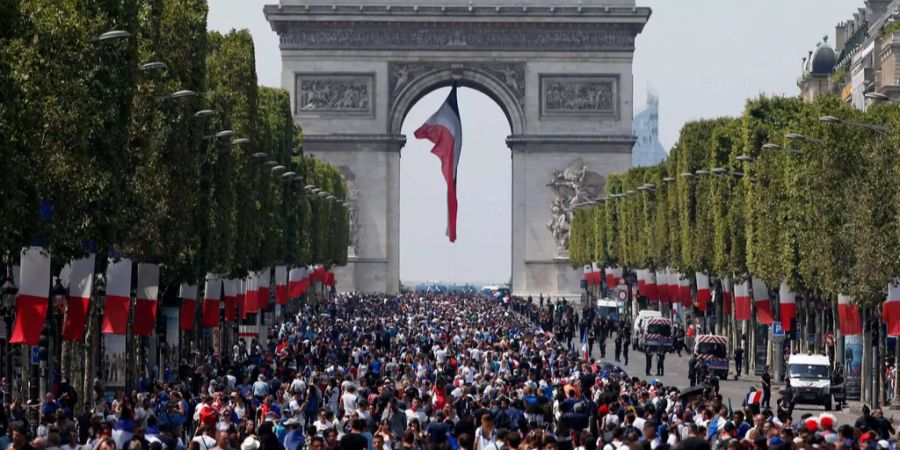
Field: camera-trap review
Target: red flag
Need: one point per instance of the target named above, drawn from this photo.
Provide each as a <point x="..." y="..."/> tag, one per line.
<point x="147" y="300"/>
<point x="81" y="282"/>
<point x="890" y="310"/>
<point x="742" y="301"/>
<point x="33" y="299"/>
<point x="704" y="293"/>
<point x="230" y="288"/>
<point x="118" y="297"/>
<point x="848" y="315"/>
<point x="444" y="129"/>
<point x="281" y="285"/>
<point x="763" y="304"/>
<point x="188" y="295"/>
<point x="788" y="308"/>
<point x="212" y="290"/>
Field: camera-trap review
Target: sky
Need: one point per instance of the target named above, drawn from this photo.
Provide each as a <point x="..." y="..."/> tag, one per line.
<point x="704" y="57"/>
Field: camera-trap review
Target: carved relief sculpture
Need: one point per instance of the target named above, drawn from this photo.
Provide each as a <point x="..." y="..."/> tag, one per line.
<point x="579" y="95"/>
<point x="574" y="187"/>
<point x="338" y="93"/>
<point x="510" y="74"/>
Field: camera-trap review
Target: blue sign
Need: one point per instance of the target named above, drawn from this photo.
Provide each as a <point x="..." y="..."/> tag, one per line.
<point x="35" y="355"/>
<point x="777" y="329"/>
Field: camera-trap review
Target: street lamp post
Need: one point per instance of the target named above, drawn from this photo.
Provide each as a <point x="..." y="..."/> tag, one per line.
<point x="8" y="293"/>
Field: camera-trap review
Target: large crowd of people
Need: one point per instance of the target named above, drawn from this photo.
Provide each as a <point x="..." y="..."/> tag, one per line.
<point x="411" y="372"/>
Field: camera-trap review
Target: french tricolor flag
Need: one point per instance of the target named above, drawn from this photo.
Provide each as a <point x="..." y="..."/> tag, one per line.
<point x="33" y="299"/>
<point x="890" y="310"/>
<point x="444" y="129"/>
<point x="763" y="304"/>
<point x="848" y="315"/>
<point x="231" y="287"/>
<point x="118" y="296"/>
<point x="81" y="282"/>
<point x="788" y="301"/>
<point x="281" y="285"/>
<point x="147" y="297"/>
<point x="742" y="301"/>
<point x="188" y="295"/>
<point x="212" y="292"/>
<point x="704" y="294"/>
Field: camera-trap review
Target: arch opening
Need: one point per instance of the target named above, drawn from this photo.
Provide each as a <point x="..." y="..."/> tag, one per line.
<point x="483" y="251"/>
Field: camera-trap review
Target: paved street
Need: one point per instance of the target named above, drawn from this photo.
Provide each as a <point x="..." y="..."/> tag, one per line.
<point x="734" y="390"/>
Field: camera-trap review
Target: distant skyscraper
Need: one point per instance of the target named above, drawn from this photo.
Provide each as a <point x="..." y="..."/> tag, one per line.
<point x="647" y="150"/>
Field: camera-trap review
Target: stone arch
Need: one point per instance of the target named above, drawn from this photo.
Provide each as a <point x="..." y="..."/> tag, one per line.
<point x="478" y="79"/>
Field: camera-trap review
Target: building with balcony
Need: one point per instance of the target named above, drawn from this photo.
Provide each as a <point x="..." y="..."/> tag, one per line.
<point x="865" y="57"/>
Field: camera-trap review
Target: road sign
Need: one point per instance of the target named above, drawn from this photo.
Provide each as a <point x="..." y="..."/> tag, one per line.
<point x="35" y="355"/>
<point x="621" y="294"/>
<point x="776" y="332"/>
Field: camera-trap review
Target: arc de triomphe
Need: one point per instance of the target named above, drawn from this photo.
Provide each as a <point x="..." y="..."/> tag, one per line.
<point x="559" y="69"/>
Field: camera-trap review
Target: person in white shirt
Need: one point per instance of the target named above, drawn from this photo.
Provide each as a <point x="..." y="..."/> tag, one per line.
<point x="415" y="412"/>
<point x="349" y="401"/>
<point x="205" y="439"/>
<point x="486" y="435"/>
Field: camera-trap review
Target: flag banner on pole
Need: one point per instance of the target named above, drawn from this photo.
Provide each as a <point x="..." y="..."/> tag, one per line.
<point x="684" y="290"/>
<point x="788" y="306"/>
<point x="763" y="304"/>
<point x="242" y="286"/>
<point x="81" y="283"/>
<point x="652" y="288"/>
<point x="704" y="293"/>
<point x="147" y="300"/>
<point x="444" y="129"/>
<point x="262" y="291"/>
<point x="294" y="277"/>
<point x="642" y="282"/>
<point x="726" y="296"/>
<point x="281" y="285"/>
<point x="212" y="292"/>
<point x="230" y="287"/>
<point x="584" y="347"/>
<point x="662" y="286"/>
<point x="188" y="295"/>
<point x="849" y="317"/>
<point x="251" y="304"/>
<point x="890" y="310"/>
<point x="742" y="301"/>
<point x="33" y="298"/>
<point x="613" y="276"/>
<point x="118" y="296"/>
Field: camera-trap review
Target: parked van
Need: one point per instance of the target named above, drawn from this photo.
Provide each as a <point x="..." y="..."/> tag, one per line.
<point x="656" y="335"/>
<point x="810" y="377"/>
<point x="639" y="323"/>
<point x="713" y="351"/>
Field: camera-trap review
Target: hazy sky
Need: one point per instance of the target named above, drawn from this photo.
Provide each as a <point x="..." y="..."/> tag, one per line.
<point x="704" y="57"/>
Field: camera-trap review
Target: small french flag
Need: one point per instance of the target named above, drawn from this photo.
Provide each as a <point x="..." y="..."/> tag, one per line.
<point x="584" y="347"/>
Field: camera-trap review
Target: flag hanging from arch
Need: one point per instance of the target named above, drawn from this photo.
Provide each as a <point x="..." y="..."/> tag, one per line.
<point x="444" y="129"/>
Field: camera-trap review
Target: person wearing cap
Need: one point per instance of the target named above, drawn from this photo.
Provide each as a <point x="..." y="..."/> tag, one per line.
<point x="293" y="439"/>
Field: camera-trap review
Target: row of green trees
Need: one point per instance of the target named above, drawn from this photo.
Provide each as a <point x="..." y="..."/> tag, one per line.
<point x="781" y="194"/>
<point x="97" y="154"/>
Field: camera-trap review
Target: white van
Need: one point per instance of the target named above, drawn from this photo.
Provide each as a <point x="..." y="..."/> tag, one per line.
<point x="810" y="377"/>
<point x="639" y="323"/>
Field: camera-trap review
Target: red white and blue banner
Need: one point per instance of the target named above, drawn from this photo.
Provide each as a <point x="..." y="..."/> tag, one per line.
<point x="33" y="298"/>
<point x="788" y="305"/>
<point x="704" y="293"/>
<point x="281" y="285"/>
<point x="212" y="292"/>
<point x="188" y="295"/>
<point x="81" y="282"/>
<point x="147" y="300"/>
<point x="742" y="310"/>
<point x="444" y="129"/>
<point x="849" y="317"/>
<point x="231" y="289"/>
<point x="118" y="296"/>
<point x="890" y="310"/>
<point x="763" y="304"/>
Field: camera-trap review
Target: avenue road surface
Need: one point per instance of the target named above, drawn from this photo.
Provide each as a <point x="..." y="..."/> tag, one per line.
<point x="676" y="374"/>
